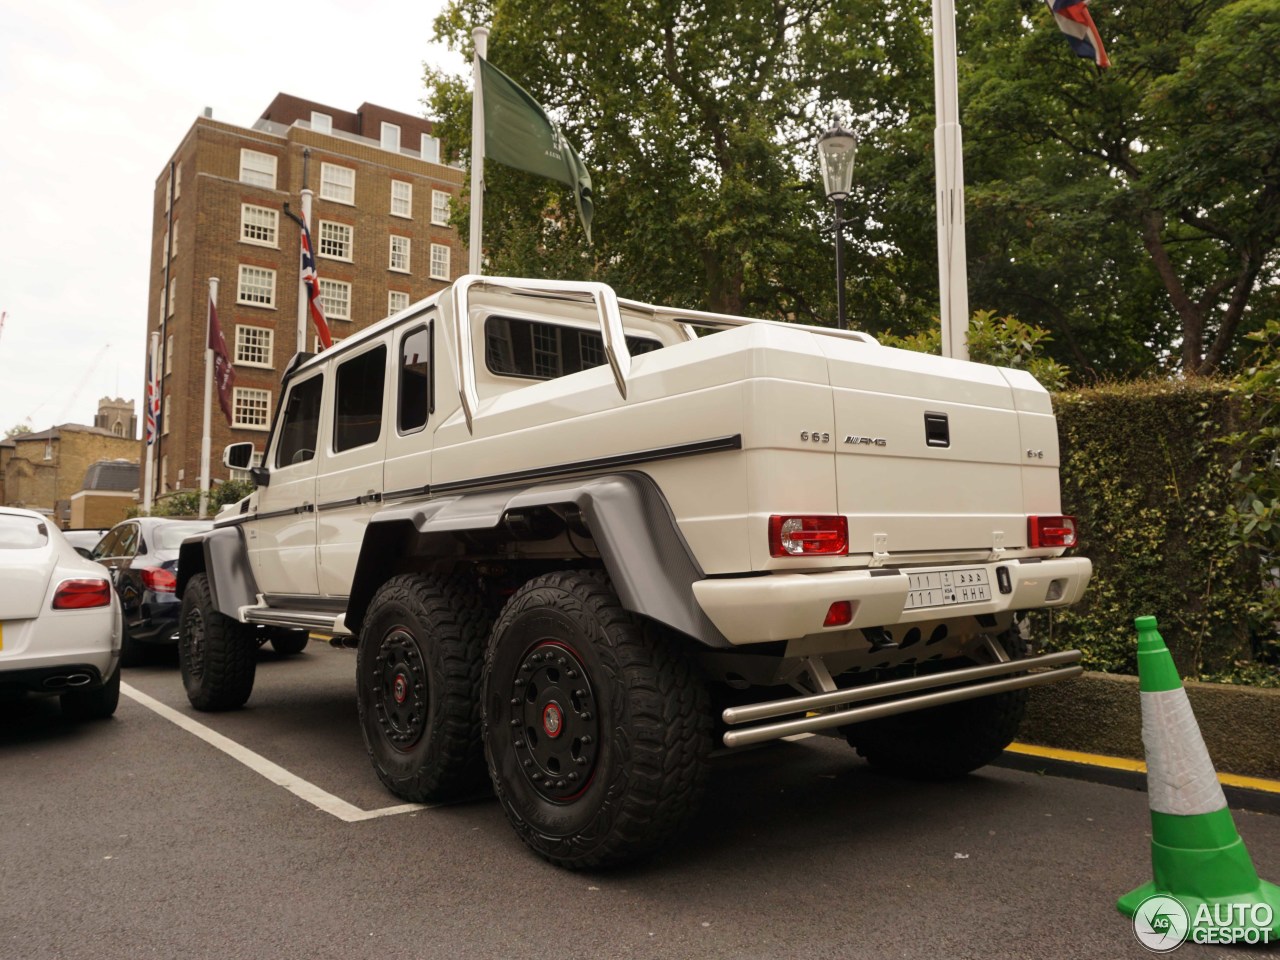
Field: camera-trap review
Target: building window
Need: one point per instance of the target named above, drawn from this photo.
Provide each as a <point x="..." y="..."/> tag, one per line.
<point x="258" y="225"/>
<point x="440" y="208"/>
<point x="399" y="254"/>
<point x="177" y="180"/>
<point x="48" y="449"/>
<point x="320" y="346"/>
<point x="173" y="294"/>
<point x="250" y="408"/>
<point x="430" y="148"/>
<point x="254" y="345"/>
<point x="335" y="240"/>
<point x="335" y="298"/>
<point x="175" y="236"/>
<point x="439" y="262"/>
<point x="168" y="355"/>
<point x="254" y="461"/>
<point x="258" y="169"/>
<point x="401" y="199"/>
<point x="391" y="137"/>
<point x="257" y="286"/>
<point x="337" y="183"/>
<point x="397" y="300"/>
<point x="166" y="405"/>
<point x="321" y="122"/>
<point x="117" y="429"/>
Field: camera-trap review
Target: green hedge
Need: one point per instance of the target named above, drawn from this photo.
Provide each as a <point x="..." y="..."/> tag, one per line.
<point x="1145" y="469"/>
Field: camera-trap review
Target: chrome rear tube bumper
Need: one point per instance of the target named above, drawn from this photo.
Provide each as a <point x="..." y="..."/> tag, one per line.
<point x="899" y="696"/>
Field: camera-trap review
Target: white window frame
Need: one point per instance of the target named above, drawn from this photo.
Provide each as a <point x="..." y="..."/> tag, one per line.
<point x="436" y="250"/>
<point x="246" y="297"/>
<point x="331" y="304"/>
<point x="318" y="346"/>
<point x="407" y="199"/>
<point x="393" y="306"/>
<point x="250" y="395"/>
<point x="389" y="137"/>
<point x="440" y="199"/>
<point x="258" y="175"/>
<point x="430" y="150"/>
<point x="168" y="355"/>
<point x="176" y="221"/>
<point x="166" y="404"/>
<point x="321" y="122"/>
<point x="177" y="180"/>
<point x="340" y="187"/>
<point x="400" y="246"/>
<point x="173" y="293"/>
<point x="254" y="461"/>
<point x="246" y="335"/>
<point x="269" y="222"/>
<point x="334" y="227"/>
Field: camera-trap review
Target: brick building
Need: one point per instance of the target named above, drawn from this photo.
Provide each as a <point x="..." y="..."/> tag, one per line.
<point x="379" y="225"/>
<point x="43" y="471"/>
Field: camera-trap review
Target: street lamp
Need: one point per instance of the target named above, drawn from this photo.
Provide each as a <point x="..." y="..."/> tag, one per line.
<point x="836" y="148"/>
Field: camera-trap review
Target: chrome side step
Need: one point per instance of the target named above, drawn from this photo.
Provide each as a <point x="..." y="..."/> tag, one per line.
<point x="289" y="618"/>
<point x="1060" y="666"/>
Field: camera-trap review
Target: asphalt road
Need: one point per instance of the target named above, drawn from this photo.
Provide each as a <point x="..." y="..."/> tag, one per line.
<point x="134" y="838"/>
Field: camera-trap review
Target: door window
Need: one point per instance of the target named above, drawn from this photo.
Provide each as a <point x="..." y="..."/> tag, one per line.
<point x="300" y="425"/>
<point x="415" y="380"/>
<point x="357" y="414"/>
<point x="106" y="546"/>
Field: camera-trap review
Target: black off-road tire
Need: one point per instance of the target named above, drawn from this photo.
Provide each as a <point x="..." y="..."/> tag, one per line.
<point x="418" y="667"/>
<point x="216" y="655"/>
<point x="289" y="643"/>
<point x="597" y="724"/>
<point x="945" y="742"/>
<point x="95" y="704"/>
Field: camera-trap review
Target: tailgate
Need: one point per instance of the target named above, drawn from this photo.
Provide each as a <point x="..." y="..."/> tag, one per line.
<point x="929" y="452"/>
<point x="24" y="581"/>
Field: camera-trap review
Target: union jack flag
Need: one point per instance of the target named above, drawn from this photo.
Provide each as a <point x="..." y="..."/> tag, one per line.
<point x="312" y="281"/>
<point x="1074" y="21"/>
<point x="152" y="419"/>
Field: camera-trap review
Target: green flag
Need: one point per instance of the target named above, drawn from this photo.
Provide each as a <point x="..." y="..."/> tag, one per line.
<point x="518" y="132"/>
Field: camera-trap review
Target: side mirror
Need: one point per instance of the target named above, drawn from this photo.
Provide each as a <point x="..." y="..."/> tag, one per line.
<point x="260" y="476"/>
<point x="85" y="552"/>
<point x="238" y="456"/>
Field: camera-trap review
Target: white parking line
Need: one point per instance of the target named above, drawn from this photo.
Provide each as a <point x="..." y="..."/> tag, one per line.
<point x="303" y="789"/>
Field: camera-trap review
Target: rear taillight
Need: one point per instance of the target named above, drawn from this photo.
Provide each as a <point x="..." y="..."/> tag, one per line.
<point x="79" y="594"/>
<point x="159" y="580"/>
<point x="808" y="536"/>
<point x="1051" y="531"/>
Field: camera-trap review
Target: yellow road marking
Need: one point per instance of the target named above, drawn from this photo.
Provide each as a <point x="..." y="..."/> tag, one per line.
<point x="1136" y="766"/>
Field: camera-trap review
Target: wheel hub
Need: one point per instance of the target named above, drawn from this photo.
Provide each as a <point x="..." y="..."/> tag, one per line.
<point x="554" y="726"/>
<point x="400" y="689"/>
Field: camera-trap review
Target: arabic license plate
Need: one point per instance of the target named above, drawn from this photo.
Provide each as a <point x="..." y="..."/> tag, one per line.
<point x="942" y="588"/>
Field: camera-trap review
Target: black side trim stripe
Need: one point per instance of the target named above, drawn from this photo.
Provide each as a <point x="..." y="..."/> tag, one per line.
<point x="270" y="515"/>
<point x="407" y="492"/>
<point x="351" y="501"/>
<point x="600" y="463"/>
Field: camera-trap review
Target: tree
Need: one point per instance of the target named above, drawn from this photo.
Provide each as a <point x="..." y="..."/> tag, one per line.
<point x="17" y="430"/>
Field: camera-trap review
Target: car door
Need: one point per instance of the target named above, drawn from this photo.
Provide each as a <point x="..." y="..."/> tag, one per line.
<point x="349" y="481"/>
<point x="282" y="535"/>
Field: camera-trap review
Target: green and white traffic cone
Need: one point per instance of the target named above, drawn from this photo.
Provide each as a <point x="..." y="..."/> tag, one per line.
<point x="1196" y="854"/>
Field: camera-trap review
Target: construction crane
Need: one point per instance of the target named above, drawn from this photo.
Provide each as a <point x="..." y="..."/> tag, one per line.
<point x="2" y="316"/>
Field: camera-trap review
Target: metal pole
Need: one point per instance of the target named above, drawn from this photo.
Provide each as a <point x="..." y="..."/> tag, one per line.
<point x="164" y="320"/>
<point x="953" y="285"/>
<point x="839" y="205"/>
<point x="148" y="476"/>
<point x="302" y="289"/>
<point x="206" y="428"/>
<point x="480" y="36"/>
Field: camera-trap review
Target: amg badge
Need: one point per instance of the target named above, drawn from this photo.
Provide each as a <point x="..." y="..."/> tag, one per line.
<point x="867" y="441"/>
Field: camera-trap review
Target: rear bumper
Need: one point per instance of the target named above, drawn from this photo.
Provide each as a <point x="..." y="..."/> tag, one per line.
<point x="792" y="605"/>
<point x="55" y="679"/>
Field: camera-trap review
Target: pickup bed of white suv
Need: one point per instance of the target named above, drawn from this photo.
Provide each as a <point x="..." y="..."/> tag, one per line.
<point x="577" y="539"/>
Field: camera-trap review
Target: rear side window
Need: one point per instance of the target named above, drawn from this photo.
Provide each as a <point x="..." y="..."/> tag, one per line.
<point x="415" y="403"/>
<point x="544" y="351"/>
<point x="300" y="424"/>
<point x="357" y="415"/>
<point x="22" y="533"/>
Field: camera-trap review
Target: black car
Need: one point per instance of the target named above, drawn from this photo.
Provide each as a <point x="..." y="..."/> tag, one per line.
<point x="142" y="555"/>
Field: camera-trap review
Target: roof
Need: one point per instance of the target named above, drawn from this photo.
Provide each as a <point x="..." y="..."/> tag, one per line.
<point x="53" y="433"/>
<point x="117" y="475"/>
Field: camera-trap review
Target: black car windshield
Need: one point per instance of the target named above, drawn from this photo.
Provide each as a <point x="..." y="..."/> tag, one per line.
<point x="169" y="536"/>
<point x="22" y="533"/>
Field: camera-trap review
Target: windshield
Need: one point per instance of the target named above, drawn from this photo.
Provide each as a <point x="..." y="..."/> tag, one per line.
<point x="169" y="536"/>
<point x="22" y="533"/>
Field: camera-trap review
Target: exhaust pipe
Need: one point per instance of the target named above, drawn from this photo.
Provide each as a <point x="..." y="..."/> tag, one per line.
<point x="68" y="680"/>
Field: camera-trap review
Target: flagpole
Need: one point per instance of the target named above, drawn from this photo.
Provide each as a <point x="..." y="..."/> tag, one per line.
<point x="480" y="36"/>
<point x="953" y="283"/>
<point x="206" y="434"/>
<point x="148" y="475"/>
<point x="302" y="289"/>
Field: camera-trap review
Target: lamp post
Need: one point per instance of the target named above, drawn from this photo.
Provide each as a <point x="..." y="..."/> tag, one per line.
<point x="836" y="148"/>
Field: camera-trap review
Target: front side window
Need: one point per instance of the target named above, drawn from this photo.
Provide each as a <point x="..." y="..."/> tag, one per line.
<point x="258" y="169"/>
<point x="335" y="240"/>
<point x="335" y="297"/>
<point x="357" y="413"/>
<point x="250" y="408"/>
<point x="544" y="351"/>
<point x="258" y="225"/>
<point x="257" y="286"/>
<point x="300" y="425"/>
<point x="401" y="199"/>
<point x="399" y="254"/>
<point x="415" y="380"/>
<point x="337" y="183"/>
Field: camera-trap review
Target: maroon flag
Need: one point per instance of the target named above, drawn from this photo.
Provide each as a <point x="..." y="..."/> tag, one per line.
<point x="224" y="375"/>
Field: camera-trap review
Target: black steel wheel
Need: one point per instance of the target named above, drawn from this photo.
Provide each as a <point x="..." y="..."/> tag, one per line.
<point x="216" y="654"/>
<point x="418" y="685"/>
<point x="597" y="725"/>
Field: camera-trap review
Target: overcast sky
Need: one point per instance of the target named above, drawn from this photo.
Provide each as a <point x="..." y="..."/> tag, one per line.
<point x="94" y="98"/>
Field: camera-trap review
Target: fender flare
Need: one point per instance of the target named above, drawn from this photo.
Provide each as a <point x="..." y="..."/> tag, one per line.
<point x="222" y="555"/>
<point x="651" y="566"/>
